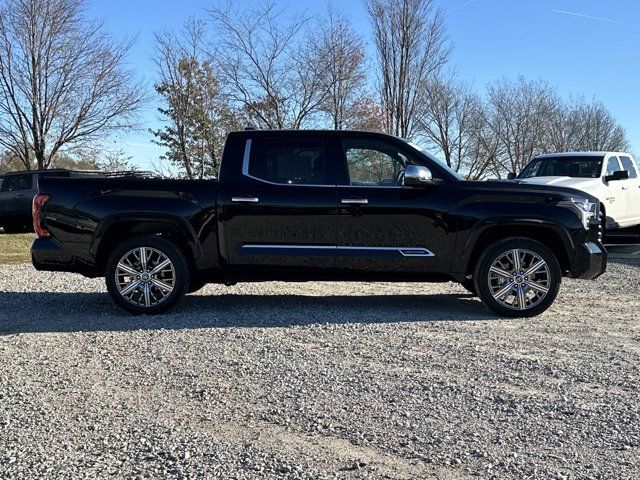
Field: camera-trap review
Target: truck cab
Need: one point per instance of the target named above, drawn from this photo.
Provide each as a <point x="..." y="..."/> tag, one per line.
<point x="612" y="177"/>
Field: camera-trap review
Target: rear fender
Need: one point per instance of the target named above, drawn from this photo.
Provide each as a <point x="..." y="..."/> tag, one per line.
<point x="145" y="224"/>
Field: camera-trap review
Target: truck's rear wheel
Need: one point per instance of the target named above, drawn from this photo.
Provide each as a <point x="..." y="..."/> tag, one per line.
<point x="147" y="275"/>
<point x="518" y="277"/>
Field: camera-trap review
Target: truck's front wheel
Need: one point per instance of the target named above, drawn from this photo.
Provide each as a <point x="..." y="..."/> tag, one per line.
<point x="518" y="277"/>
<point x="147" y="275"/>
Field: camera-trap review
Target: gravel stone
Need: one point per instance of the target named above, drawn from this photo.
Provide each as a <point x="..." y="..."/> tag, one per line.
<point x="318" y="380"/>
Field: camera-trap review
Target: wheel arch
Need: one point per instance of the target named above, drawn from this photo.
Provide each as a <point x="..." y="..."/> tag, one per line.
<point x="113" y="231"/>
<point x="553" y="237"/>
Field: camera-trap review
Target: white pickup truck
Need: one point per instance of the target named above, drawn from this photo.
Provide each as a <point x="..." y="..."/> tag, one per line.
<point x="612" y="177"/>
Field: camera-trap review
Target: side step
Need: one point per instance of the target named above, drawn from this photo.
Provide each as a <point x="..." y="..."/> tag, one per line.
<point x="623" y="250"/>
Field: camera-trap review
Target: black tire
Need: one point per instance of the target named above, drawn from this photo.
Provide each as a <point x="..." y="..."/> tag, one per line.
<point x="539" y="301"/>
<point x="469" y="285"/>
<point x="179" y="275"/>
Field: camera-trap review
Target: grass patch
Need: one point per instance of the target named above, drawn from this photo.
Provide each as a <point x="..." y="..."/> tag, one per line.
<point x="15" y="248"/>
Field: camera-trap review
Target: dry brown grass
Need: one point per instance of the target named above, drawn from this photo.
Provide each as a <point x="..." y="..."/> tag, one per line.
<point x="15" y="248"/>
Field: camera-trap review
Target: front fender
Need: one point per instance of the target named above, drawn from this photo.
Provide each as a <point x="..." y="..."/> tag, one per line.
<point x="513" y="222"/>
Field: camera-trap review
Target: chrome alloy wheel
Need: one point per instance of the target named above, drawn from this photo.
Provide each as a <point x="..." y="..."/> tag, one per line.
<point x="519" y="279"/>
<point x="145" y="276"/>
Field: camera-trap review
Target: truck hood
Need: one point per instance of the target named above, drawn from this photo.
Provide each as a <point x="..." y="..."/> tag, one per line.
<point x="517" y="189"/>
<point x="584" y="184"/>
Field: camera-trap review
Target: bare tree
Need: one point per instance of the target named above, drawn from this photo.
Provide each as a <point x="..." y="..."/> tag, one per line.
<point x="411" y="47"/>
<point x="62" y="80"/>
<point x="116" y="161"/>
<point x="343" y="51"/>
<point x="448" y="118"/>
<point x="483" y="150"/>
<point x="521" y="118"/>
<point x="272" y="73"/>
<point x="366" y="114"/>
<point x="517" y="114"/>
<point x="581" y="126"/>
<point x="10" y="163"/>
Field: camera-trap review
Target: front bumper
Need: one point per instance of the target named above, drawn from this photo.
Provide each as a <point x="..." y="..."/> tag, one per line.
<point x="590" y="261"/>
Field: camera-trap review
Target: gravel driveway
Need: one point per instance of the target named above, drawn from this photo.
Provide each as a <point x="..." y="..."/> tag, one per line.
<point x="318" y="380"/>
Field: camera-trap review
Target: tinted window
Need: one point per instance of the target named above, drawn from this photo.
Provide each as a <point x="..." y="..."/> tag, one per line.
<point x="16" y="182"/>
<point x="628" y="165"/>
<point x="375" y="163"/>
<point x="288" y="161"/>
<point x="612" y="165"/>
<point x="574" y="166"/>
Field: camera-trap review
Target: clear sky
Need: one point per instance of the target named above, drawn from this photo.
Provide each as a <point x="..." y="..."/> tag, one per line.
<point x="585" y="47"/>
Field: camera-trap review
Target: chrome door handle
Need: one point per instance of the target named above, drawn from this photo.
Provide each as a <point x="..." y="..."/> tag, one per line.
<point x="245" y="199"/>
<point x="354" y="201"/>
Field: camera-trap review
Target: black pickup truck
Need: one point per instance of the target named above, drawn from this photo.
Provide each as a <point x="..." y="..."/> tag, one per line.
<point x="319" y="205"/>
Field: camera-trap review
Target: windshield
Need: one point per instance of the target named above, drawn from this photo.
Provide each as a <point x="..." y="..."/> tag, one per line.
<point x="565" y="166"/>
<point x="435" y="159"/>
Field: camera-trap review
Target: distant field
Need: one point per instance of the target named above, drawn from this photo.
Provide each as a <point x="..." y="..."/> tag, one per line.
<point x="15" y="248"/>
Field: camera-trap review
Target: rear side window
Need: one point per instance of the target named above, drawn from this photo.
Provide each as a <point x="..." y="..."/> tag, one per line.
<point x="12" y="183"/>
<point x="612" y="165"/>
<point x="288" y="161"/>
<point x="628" y="165"/>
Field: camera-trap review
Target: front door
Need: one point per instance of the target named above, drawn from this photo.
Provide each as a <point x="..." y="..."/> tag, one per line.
<point x="383" y="226"/>
<point x="632" y="189"/>
<point x="616" y="198"/>
<point x="280" y="210"/>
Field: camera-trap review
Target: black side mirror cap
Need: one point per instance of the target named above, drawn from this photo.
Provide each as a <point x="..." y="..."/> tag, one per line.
<point x="511" y="176"/>
<point x="617" y="175"/>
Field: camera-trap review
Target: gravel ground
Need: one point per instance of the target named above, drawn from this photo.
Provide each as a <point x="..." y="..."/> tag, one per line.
<point x="318" y="380"/>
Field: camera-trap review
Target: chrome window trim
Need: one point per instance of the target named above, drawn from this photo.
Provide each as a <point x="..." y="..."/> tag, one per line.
<point x="245" y="171"/>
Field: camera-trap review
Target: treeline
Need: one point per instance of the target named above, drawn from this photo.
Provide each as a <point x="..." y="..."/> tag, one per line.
<point x="64" y="87"/>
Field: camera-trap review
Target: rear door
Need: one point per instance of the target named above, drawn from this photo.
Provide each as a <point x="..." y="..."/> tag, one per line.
<point x="279" y="207"/>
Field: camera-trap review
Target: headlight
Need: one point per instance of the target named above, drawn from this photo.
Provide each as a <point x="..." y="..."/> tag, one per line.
<point x="584" y="208"/>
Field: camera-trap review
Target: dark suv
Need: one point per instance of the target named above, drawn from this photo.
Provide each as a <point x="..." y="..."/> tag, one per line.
<point x="17" y="190"/>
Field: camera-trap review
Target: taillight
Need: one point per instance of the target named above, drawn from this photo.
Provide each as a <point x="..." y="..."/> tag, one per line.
<point x="38" y="201"/>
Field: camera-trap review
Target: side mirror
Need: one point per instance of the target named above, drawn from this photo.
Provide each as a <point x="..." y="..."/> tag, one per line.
<point x="417" y="176"/>
<point x="617" y="175"/>
<point x="511" y="176"/>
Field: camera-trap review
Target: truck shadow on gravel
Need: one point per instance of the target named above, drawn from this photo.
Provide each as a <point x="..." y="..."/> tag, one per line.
<point x="41" y="312"/>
